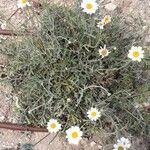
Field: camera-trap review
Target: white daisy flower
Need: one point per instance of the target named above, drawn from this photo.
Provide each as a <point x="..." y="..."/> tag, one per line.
<point x="136" y="53"/>
<point x="106" y="19"/>
<point x="104" y="51"/>
<point x="53" y="126"/>
<point x="125" y="141"/>
<point x="93" y="114"/>
<point x="74" y="135"/>
<point x="119" y="146"/>
<point x="100" y="25"/>
<point x="23" y="3"/>
<point x="89" y="6"/>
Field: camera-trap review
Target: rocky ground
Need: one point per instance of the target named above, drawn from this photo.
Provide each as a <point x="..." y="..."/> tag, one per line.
<point x="12" y="139"/>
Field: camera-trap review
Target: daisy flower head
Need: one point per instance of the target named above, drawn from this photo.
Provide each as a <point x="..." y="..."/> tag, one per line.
<point x="122" y="144"/>
<point x="23" y="3"/>
<point x="126" y="142"/>
<point x="136" y="53"/>
<point x="53" y="126"/>
<point x="103" y="51"/>
<point x="74" y="135"/>
<point x="93" y="114"/>
<point x="106" y="19"/>
<point x="119" y="146"/>
<point x="89" y="6"/>
<point x="100" y="25"/>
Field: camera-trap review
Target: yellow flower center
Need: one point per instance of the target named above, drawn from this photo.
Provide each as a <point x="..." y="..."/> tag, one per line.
<point x="74" y="135"/>
<point x="136" y="54"/>
<point x="104" y="52"/>
<point x="53" y="125"/>
<point x="93" y="114"/>
<point x="120" y="148"/>
<point x="106" y="19"/>
<point x="89" y="6"/>
<point x="24" y="1"/>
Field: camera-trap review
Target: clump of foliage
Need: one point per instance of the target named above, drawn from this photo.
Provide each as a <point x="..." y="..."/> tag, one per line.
<point x="58" y="73"/>
<point x="26" y="146"/>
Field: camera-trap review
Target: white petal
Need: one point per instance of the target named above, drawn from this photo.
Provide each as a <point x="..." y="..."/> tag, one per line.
<point x="128" y="145"/>
<point x="133" y="48"/>
<point x="142" y="51"/>
<point x="129" y="55"/>
<point x="139" y="48"/>
<point x="3" y="25"/>
<point x="76" y="142"/>
<point x="115" y="145"/>
<point x="139" y="59"/>
<point x="123" y="139"/>
<point x="82" y="5"/>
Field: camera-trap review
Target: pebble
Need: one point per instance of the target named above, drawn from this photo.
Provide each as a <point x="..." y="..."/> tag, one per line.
<point x="92" y="144"/>
<point x="146" y="104"/>
<point x="2" y="118"/>
<point x="3" y="25"/>
<point x="144" y="28"/>
<point x="100" y="147"/>
<point x="137" y="105"/>
<point x="110" y="7"/>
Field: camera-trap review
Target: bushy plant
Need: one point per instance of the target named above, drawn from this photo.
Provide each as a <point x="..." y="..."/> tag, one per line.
<point x="58" y="73"/>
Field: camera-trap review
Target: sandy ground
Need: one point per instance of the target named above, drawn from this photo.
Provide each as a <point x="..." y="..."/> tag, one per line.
<point x="12" y="139"/>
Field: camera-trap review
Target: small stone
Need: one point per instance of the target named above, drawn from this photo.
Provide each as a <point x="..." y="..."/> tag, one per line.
<point x="3" y="25"/>
<point x="92" y="144"/>
<point x="146" y="104"/>
<point x="137" y="105"/>
<point x="2" y="118"/>
<point x="3" y="37"/>
<point x="100" y="147"/>
<point x="144" y="28"/>
<point x="19" y="11"/>
<point x="110" y="7"/>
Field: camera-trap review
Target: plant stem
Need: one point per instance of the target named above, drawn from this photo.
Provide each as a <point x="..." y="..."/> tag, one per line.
<point x="53" y="138"/>
<point x="41" y="139"/>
